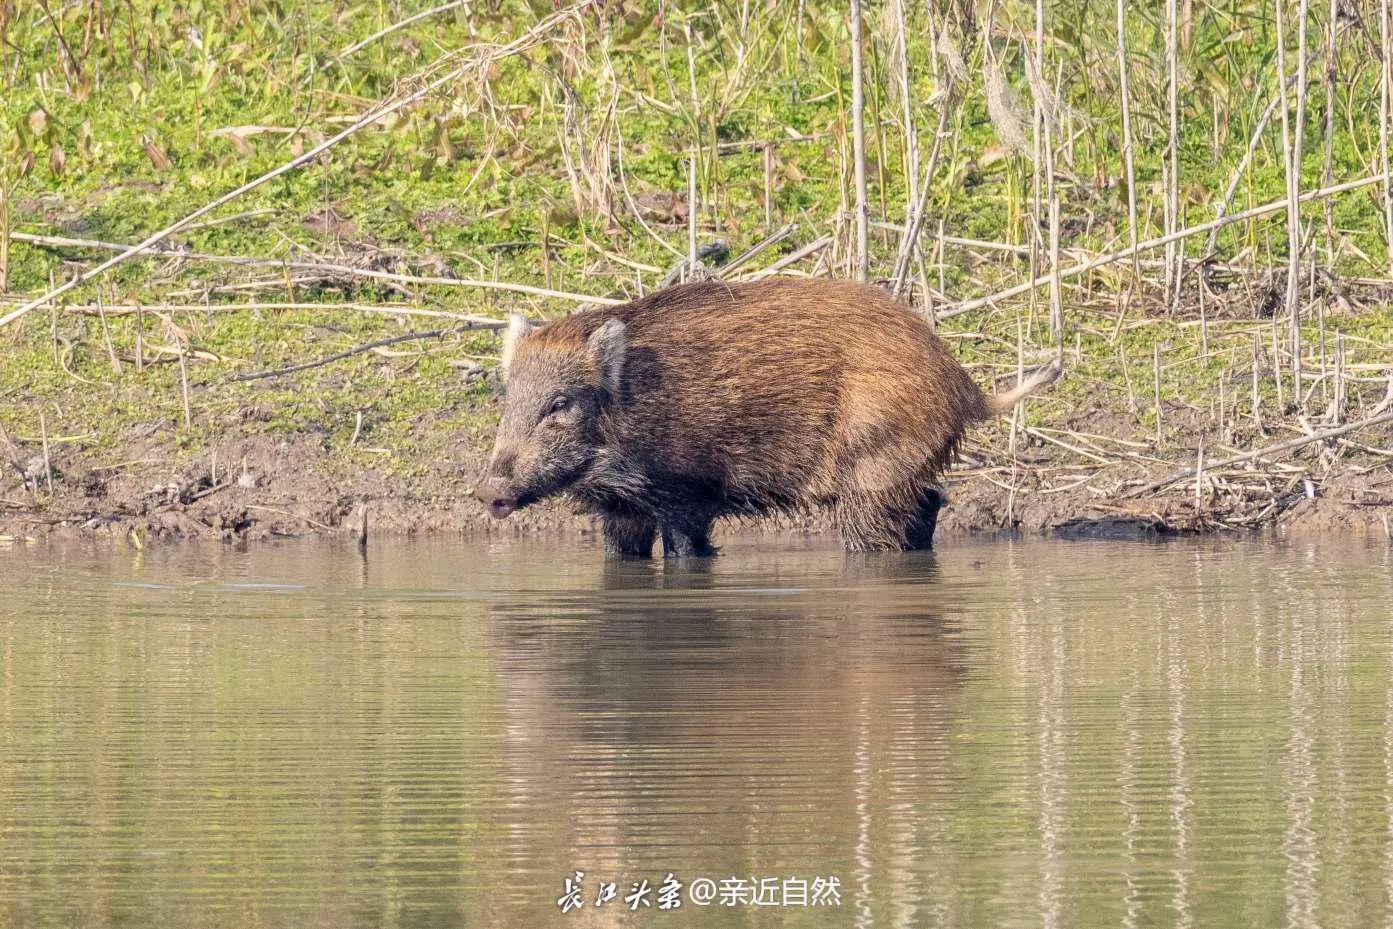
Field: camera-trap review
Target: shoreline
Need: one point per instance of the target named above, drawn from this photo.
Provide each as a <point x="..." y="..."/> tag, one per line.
<point x="294" y="487"/>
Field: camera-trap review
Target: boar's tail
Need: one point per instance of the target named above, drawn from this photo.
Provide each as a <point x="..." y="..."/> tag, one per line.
<point x="1043" y="376"/>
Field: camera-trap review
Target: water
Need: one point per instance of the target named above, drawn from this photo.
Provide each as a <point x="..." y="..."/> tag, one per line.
<point x="1071" y="735"/>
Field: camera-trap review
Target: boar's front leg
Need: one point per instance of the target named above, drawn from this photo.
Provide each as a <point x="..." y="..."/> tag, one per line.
<point x="628" y="536"/>
<point x="687" y="537"/>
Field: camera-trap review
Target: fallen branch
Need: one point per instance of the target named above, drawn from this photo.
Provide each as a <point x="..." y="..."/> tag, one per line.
<point x="424" y="14"/>
<point x="1276" y="206"/>
<point x="475" y="60"/>
<point x="793" y="258"/>
<point x="1264" y="453"/>
<point x="388" y="309"/>
<point x="320" y="267"/>
<point x="767" y="243"/>
<point x="339" y="356"/>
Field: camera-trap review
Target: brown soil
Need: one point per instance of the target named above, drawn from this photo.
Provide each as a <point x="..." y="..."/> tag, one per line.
<point x="259" y="486"/>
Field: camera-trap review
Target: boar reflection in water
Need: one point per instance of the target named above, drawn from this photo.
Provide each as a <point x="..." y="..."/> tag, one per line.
<point x="712" y="400"/>
<point x="666" y="717"/>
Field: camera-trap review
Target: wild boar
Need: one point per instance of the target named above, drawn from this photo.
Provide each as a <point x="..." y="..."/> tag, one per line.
<point x="712" y="399"/>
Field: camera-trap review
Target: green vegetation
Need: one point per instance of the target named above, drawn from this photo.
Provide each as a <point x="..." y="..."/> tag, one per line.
<point x="565" y="167"/>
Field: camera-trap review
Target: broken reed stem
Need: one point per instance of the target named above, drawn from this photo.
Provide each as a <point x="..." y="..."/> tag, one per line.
<point x="1199" y="473"/>
<point x="1156" y="382"/>
<point x="184" y="386"/>
<point x="106" y="336"/>
<point x="1338" y="413"/>
<point x="1101" y="260"/>
<point x="1223" y="404"/>
<point x="53" y="323"/>
<point x="476" y="57"/>
<point x="48" y="463"/>
<point x="858" y="145"/>
<point x="1257" y="395"/>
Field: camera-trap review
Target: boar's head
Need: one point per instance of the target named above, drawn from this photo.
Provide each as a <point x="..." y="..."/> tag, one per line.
<point x="555" y="393"/>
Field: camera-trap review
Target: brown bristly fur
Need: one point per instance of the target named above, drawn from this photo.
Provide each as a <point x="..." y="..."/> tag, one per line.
<point x="742" y="399"/>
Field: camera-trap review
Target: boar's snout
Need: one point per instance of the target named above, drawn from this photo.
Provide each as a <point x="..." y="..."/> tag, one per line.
<point x="495" y="495"/>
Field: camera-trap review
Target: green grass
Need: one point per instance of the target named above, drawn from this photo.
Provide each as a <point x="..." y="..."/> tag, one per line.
<point x="126" y="131"/>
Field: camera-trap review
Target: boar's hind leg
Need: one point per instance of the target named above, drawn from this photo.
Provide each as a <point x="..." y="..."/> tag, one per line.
<point x="919" y="534"/>
<point x="687" y="537"/>
<point x="629" y="536"/>
<point x="871" y="521"/>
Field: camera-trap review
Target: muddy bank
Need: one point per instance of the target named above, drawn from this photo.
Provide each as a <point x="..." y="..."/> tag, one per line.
<point x="256" y="486"/>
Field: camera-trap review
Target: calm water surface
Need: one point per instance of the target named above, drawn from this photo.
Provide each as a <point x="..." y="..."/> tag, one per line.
<point x="1036" y="734"/>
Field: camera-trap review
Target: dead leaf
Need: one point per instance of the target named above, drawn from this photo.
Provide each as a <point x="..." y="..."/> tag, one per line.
<point x="157" y="156"/>
<point x="244" y="148"/>
<point x="57" y="160"/>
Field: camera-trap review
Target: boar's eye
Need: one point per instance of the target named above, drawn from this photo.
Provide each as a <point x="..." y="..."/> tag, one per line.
<point x="559" y="404"/>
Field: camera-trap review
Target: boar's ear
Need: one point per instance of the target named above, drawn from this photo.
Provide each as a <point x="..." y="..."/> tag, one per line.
<point x="518" y="327"/>
<point x="607" y="346"/>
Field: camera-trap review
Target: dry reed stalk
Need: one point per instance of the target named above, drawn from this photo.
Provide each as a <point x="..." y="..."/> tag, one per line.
<point x="4" y="231"/>
<point x="1338" y="412"/>
<point x="1128" y="155"/>
<point x="909" y="240"/>
<point x="1267" y="452"/>
<point x="1385" y="25"/>
<point x="1328" y="130"/>
<point x="184" y="387"/>
<point x="474" y="58"/>
<point x="692" y="209"/>
<point x="106" y="336"/>
<point x="339" y="356"/>
<point x="858" y="143"/>
<point x="900" y="50"/>
<point x="1240" y="171"/>
<point x="1171" y="211"/>
<point x="1156" y="383"/>
<point x="768" y="159"/>
<point x="402" y="24"/>
<point x="1099" y="261"/>
<point x="325" y="268"/>
<point x="1295" y="149"/>
<point x="48" y="464"/>
<point x="1046" y="119"/>
<point x="792" y="258"/>
<point x="468" y="321"/>
<point x="1257" y="395"/>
